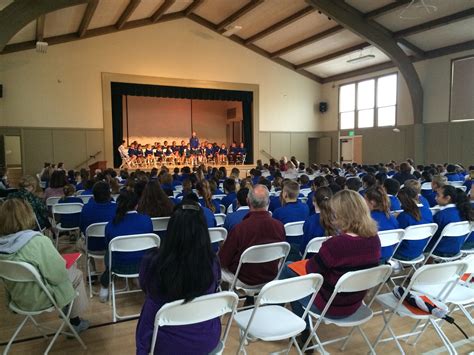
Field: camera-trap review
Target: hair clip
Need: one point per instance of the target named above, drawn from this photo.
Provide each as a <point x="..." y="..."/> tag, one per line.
<point x="190" y="207"/>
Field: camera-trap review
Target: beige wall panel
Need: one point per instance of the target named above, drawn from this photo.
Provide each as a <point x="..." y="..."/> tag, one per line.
<point x="37" y="149"/>
<point x="69" y="147"/>
<point x="95" y="144"/>
<point x="264" y="140"/>
<point x="280" y="144"/>
<point x="299" y="146"/>
<point x="436" y="143"/>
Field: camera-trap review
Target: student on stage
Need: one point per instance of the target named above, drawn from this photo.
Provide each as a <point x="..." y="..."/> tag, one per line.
<point x="241" y="153"/>
<point x="150" y="160"/>
<point x="223" y="154"/>
<point x="209" y="153"/>
<point x="132" y="153"/>
<point x="158" y="151"/>
<point x="140" y="156"/>
<point x="233" y="152"/>
<point x="194" y="141"/>
<point x="124" y="152"/>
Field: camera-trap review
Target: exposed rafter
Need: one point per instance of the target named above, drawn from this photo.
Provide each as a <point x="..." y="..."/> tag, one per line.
<point x="362" y="71"/>
<point x="194" y="5"/>
<point x="86" y="19"/>
<point x="262" y="52"/>
<point x="386" y="9"/>
<point x="238" y="14"/>
<point x="132" y="5"/>
<point x="330" y="56"/>
<point x="280" y="24"/>
<point x="40" y="22"/>
<point x="354" y="20"/>
<point x="303" y="43"/>
<point x="418" y="52"/>
<point x="161" y="10"/>
<point x="442" y="21"/>
<point x="455" y="48"/>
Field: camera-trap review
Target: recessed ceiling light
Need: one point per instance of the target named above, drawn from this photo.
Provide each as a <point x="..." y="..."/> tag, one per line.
<point x="360" y="59"/>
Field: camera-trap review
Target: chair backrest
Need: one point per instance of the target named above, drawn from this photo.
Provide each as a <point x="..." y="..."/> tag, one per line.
<point x="456" y="229"/>
<point x="218" y="197"/>
<point x="305" y="192"/>
<point x="426" y="186"/>
<point x="79" y="192"/>
<point x="198" y="310"/>
<point x="217" y="234"/>
<point x="160" y="224"/>
<point x="289" y="290"/>
<point x="178" y="188"/>
<point x="264" y="253"/>
<point x="220" y="218"/>
<point x="462" y="188"/>
<point x="96" y="230"/>
<point x="455" y="183"/>
<point x="230" y="209"/>
<point x="469" y="260"/>
<point x="361" y="280"/>
<point x="50" y="201"/>
<point x="222" y="208"/>
<point x="420" y="231"/>
<point x="391" y="237"/>
<point x="85" y="198"/>
<point x="314" y="245"/>
<point x="67" y="208"/>
<point x="434" y="210"/>
<point x="134" y="242"/>
<point x="294" y="229"/>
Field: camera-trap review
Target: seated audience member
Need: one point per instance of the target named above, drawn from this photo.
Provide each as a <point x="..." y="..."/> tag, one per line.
<point x="28" y="186"/>
<point x="154" y="202"/>
<point x="208" y="215"/>
<point x="229" y="190"/>
<point x="304" y="181"/>
<point x="88" y="185"/>
<point x="257" y="228"/>
<point x="292" y="209"/>
<point x="355" y="247"/>
<point x="183" y="268"/>
<point x="204" y="191"/>
<point x="368" y="180"/>
<point x="319" y="181"/>
<point x="320" y="223"/>
<point x="166" y="181"/>
<point x="18" y="242"/>
<point x="404" y="173"/>
<point x="237" y="216"/>
<point x="275" y="201"/>
<point x="99" y="209"/>
<point x="413" y="214"/>
<point x="437" y="182"/>
<point x="392" y="187"/>
<point x="452" y="175"/>
<point x="415" y="185"/>
<point x="70" y="220"/>
<point x="379" y="205"/>
<point x="56" y="184"/>
<point x="125" y="222"/>
<point x="353" y="183"/>
<point x="455" y="207"/>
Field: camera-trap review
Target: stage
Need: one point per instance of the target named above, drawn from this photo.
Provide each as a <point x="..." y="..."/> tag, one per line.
<point x="244" y="168"/>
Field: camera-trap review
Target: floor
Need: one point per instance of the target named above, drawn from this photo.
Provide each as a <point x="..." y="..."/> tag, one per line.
<point x="105" y="337"/>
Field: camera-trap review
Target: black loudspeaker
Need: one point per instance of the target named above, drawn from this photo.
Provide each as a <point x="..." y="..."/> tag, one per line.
<point x="323" y="107"/>
<point x="1" y="91"/>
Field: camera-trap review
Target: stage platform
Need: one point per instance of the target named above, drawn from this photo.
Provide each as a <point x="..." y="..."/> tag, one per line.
<point x="244" y="168"/>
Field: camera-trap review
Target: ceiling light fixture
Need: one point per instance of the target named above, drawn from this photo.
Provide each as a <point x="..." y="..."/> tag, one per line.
<point x="230" y="30"/>
<point x="360" y="59"/>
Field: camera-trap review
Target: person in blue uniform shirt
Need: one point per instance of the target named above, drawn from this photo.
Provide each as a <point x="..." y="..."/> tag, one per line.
<point x="455" y="207"/>
<point x="392" y="187"/>
<point x="452" y="175"/>
<point x="223" y="154"/>
<point x="194" y="141"/>
<point x="236" y="217"/>
<point x="229" y="190"/>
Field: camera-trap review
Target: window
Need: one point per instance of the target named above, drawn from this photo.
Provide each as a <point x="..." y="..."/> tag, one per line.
<point x="462" y="89"/>
<point x="368" y="103"/>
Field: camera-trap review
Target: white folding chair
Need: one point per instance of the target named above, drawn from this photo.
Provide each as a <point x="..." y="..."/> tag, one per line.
<point x="51" y="201"/>
<point x="434" y="210"/>
<point x="391" y="238"/>
<point x="64" y="209"/>
<point x="456" y="183"/>
<point x="79" y="192"/>
<point x="445" y="274"/>
<point x="305" y="192"/>
<point x="160" y="224"/>
<point x="230" y="209"/>
<point x="85" y="198"/>
<point x="128" y="244"/>
<point x="464" y="250"/>
<point x="294" y="229"/>
<point x="21" y="272"/>
<point x="218" y="197"/>
<point x="259" y="254"/>
<point x="220" y="218"/>
<point x="353" y="281"/>
<point x="222" y="208"/>
<point x="198" y="310"/>
<point x="451" y="230"/>
<point x="419" y="232"/>
<point x="461" y="296"/>
<point x="217" y="234"/>
<point x="95" y="231"/>
<point x="269" y="320"/>
<point x="426" y="186"/>
<point x="314" y="245"/>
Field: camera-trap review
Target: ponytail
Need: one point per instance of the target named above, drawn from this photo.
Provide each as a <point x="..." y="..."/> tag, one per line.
<point x="322" y="198"/>
<point x="408" y="199"/>
<point x="378" y="195"/>
<point x="127" y="201"/>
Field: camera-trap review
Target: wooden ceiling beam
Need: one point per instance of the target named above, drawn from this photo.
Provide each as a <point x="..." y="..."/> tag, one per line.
<point x="238" y="14"/>
<point x="378" y="36"/>
<point x="280" y="24"/>
<point x="132" y="5"/>
<point x="205" y="23"/>
<point x="386" y="9"/>
<point x="330" y="56"/>
<point x="161" y="10"/>
<point x="307" y="41"/>
<point x="361" y="71"/>
<point x="40" y="22"/>
<point x="417" y="52"/>
<point x="455" y="48"/>
<point x="87" y="18"/>
<point x="193" y="6"/>
<point x="442" y="21"/>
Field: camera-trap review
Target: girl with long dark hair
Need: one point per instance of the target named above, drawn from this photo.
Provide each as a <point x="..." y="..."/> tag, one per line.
<point x="154" y="202"/>
<point x="184" y="268"/>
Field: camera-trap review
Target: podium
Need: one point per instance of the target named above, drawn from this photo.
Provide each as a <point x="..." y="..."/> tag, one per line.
<point x="102" y="165"/>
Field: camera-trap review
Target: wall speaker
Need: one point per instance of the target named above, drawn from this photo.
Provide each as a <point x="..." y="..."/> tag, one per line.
<point x="323" y="107"/>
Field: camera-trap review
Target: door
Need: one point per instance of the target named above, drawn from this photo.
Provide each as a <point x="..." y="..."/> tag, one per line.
<point x="347" y="150"/>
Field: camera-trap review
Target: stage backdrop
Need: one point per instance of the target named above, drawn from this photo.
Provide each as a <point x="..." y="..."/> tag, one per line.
<point x="156" y="119"/>
<point x="119" y="90"/>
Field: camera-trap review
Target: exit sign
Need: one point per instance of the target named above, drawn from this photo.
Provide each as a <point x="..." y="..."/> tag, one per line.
<point x="351" y="133"/>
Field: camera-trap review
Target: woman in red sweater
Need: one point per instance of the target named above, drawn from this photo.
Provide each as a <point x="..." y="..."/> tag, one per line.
<point x="355" y="246"/>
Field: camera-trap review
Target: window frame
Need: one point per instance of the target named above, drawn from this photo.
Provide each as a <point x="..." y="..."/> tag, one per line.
<point x="451" y="82"/>
<point x="356" y="111"/>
